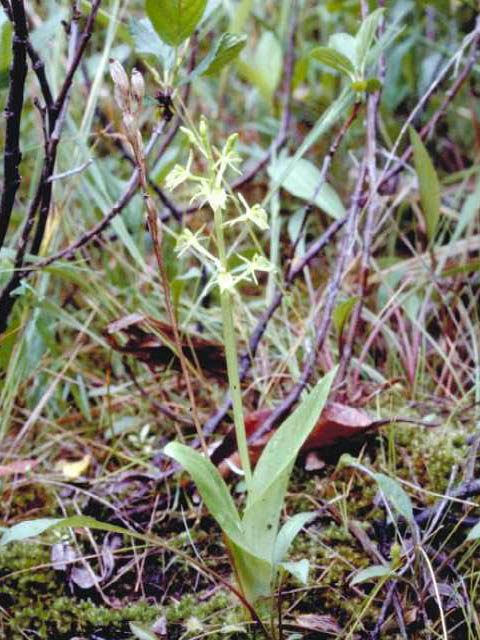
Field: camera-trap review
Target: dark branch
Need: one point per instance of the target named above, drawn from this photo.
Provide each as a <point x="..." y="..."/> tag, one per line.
<point x="13" y="114"/>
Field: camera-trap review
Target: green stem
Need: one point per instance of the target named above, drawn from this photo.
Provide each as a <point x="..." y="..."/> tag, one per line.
<point x="231" y="356"/>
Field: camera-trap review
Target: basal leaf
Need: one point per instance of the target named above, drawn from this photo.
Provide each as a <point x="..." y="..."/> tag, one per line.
<point x="211" y="487"/>
<point x="175" y="20"/>
<point x="262" y="516"/>
<point x="271" y="474"/>
<point x="428" y="183"/>
<point x="298" y="569"/>
<point x="270" y="478"/>
<point x="287" y="534"/>
<point x="283" y="447"/>
<point x="334" y="59"/>
<point x="301" y="179"/>
<point x="254" y="574"/>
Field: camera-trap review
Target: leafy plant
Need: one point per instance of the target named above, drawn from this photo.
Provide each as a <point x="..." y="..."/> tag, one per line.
<point x="256" y="546"/>
<point x="350" y="55"/>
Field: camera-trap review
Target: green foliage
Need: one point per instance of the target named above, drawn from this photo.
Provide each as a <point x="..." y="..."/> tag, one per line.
<point x="225" y="51"/>
<point x="303" y="181"/>
<point x="349" y="55"/>
<point x="429" y="184"/>
<point x="370" y="573"/>
<point x="254" y="540"/>
<point x="175" y="20"/>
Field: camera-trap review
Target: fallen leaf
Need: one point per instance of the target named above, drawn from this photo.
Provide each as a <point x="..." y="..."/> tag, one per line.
<point x="314" y="622"/>
<point x="337" y="423"/>
<point x="62" y="555"/>
<point x="153" y="342"/>
<point x="160" y="626"/>
<point x="19" y="466"/>
<point x="313" y="462"/>
<point x="83" y="577"/>
<point x="73" y="470"/>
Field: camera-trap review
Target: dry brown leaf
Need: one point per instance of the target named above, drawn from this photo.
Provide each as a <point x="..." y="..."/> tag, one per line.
<point x="315" y="622"/>
<point x="19" y="466"/>
<point x="153" y="342"/>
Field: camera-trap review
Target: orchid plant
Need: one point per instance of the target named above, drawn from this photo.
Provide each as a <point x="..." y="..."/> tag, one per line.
<point x="256" y="545"/>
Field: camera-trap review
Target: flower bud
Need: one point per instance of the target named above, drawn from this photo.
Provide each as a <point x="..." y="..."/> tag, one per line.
<point x="122" y="85"/>
<point x="138" y="87"/>
<point x="131" y="127"/>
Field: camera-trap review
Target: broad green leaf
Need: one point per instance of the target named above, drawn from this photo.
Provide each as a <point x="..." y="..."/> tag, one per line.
<point x="428" y="183"/>
<point x="342" y="312"/>
<point x="254" y="574"/>
<point x="323" y="124"/>
<point x="365" y="36"/>
<point x="175" y="20"/>
<point x="28" y="529"/>
<point x="262" y="516"/>
<point x="396" y="496"/>
<point x="282" y="449"/>
<point x="211" y="487"/>
<point x="334" y="59"/>
<point x="301" y="179"/>
<point x="375" y="571"/>
<point x="6" y="31"/>
<point x="270" y="478"/>
<point x="474" y="534"/>
<point x="287" y="534"/>
<point x="345" y="44"/>
<point x="268" y="61"/>
<point x="298" y="569"/>
<point x="226" y="50"/>
<point x="147" y="42"/>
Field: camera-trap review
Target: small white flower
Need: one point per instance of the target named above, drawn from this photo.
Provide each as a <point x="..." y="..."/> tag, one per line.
<point x="188" y="241"/>
<point x="179" y="174"/>
<point x="257" y="263"/>
<point x="215" y="196"/>
<point x="225" y="281"/>
<point x="255" y="214"/>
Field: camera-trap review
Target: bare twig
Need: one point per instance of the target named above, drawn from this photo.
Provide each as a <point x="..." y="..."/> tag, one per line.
<point x="330" y="298"/>
<point x="43" y="195"/>
<point x="373" y="103"/>
<point x="6" y="302"/>
<point x="57" y="114"/>
<point x="440" y="112"/>
<point x="13" y="114"/>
